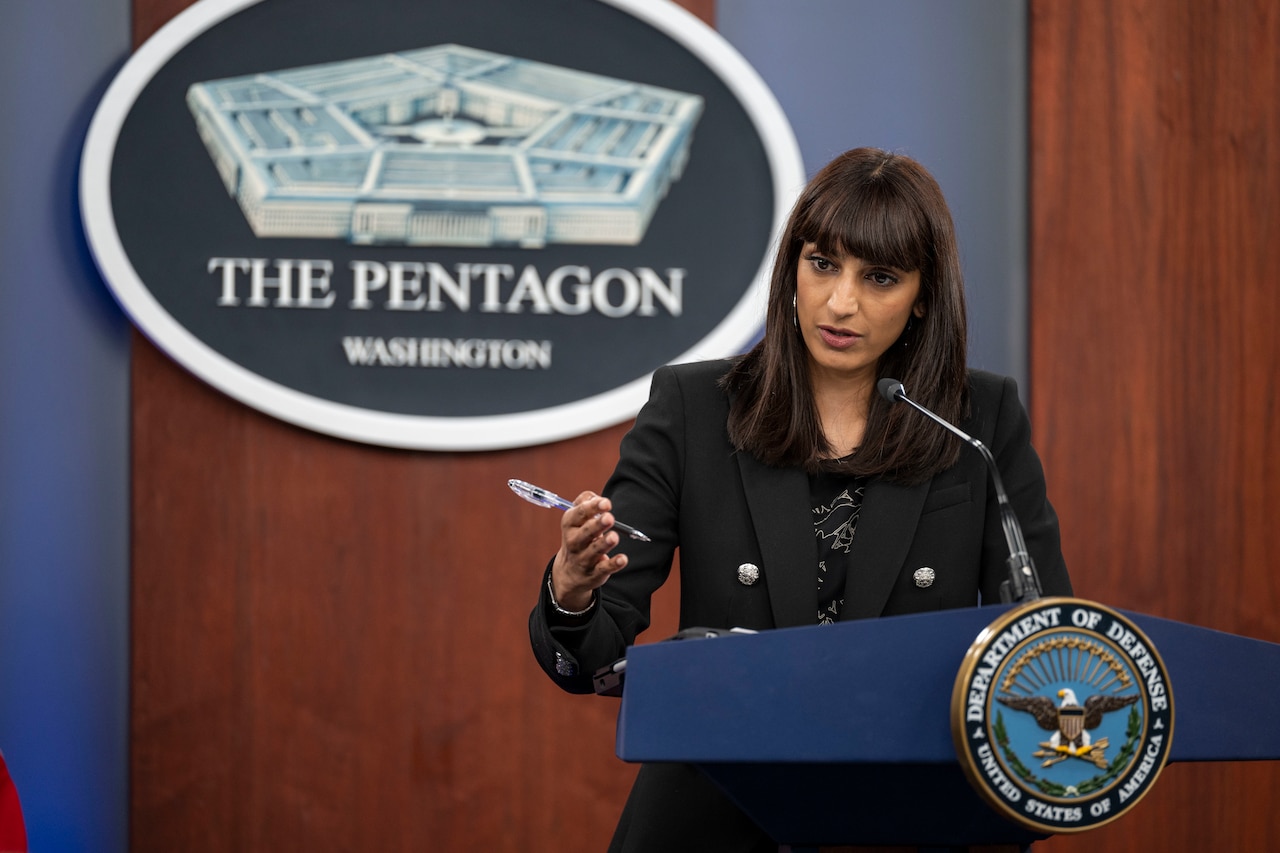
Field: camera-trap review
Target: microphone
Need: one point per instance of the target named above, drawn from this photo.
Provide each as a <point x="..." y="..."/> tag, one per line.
<point x="1023" y="583"/>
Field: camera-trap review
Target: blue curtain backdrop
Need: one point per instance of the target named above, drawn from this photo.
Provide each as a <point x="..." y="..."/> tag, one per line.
<point x="943" y="81"/>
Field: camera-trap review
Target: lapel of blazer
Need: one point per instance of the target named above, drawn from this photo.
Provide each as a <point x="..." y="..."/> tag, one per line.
<point x="783" y="521"/>
<point x="886" y="525"/>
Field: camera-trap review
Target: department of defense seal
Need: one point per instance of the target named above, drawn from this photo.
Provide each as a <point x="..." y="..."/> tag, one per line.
<point x="1062" y="715"/>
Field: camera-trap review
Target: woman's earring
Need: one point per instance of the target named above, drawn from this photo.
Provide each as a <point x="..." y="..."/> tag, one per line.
<point x="906" y="333"/>
<point x="795" y="313"/>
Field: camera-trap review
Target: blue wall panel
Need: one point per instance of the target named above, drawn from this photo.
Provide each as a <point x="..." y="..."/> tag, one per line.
<point x="63" y="440"/>
<point x="942" y="81"/>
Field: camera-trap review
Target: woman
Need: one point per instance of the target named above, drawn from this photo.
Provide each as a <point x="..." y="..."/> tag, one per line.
<point x="794" y="492"/>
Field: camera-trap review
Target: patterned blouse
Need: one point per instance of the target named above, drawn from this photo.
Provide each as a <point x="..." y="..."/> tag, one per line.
<point x="836" y="500"/>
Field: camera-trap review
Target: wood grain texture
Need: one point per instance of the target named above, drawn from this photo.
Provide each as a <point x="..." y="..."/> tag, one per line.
<point x="329" y="642"/>
<point x="328" y="639"/>
<point x="1155" y="174"/>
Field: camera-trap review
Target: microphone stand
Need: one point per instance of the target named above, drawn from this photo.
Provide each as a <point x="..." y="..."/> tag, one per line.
<point x="1023" y="583"/>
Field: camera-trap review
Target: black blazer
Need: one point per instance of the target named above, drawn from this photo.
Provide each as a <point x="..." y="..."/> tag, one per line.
<point x="680" y="481"/>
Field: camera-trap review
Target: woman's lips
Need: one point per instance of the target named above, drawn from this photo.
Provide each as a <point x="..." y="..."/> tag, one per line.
<point x="838" y="338"/>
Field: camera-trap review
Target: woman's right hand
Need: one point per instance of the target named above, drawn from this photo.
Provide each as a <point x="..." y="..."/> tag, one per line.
<point x="583" y="563"/>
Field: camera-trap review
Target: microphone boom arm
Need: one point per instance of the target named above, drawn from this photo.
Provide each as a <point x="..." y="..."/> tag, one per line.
<point x="1023" y="583"/>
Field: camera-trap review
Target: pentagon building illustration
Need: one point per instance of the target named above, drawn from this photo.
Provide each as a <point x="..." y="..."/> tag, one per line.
<point x="445" y="146"/>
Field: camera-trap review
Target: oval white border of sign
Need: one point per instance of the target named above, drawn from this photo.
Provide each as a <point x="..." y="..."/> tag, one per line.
<point x="538" y="426"/>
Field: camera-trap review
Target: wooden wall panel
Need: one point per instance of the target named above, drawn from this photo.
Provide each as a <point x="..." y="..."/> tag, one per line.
<point x="328" y="638"/>
<point x="329" y="645"/>
<point x="329" y="642"/>
<point x="1155" y="210"/>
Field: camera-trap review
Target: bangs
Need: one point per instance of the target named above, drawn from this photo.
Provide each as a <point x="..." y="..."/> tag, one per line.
<point x="874" y="222"/>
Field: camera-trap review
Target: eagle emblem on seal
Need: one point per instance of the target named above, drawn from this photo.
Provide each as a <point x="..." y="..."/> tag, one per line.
<point x="1070" y="723"/>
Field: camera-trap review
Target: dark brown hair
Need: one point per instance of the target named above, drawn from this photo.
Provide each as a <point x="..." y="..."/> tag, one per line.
<point x="887" y="209"/>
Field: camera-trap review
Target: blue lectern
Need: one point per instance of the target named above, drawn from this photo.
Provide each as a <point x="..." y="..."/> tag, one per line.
<point x="840" y="734"/>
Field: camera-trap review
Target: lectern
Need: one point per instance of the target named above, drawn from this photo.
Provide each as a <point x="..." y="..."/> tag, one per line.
<point x="840" y="734"/>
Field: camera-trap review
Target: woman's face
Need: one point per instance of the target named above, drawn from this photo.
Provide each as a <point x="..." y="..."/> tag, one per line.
<point x="851" y="311"/>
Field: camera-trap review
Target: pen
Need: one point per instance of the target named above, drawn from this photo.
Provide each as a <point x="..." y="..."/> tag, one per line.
<point x="540" y="496"/>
